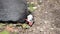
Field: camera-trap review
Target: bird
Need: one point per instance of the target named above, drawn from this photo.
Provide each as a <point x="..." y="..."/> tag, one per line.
<point x="15" y="11"/>
<point x="30" y="19"/>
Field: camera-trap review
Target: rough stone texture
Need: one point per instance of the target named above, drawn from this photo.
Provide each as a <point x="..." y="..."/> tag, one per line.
<point x="13" y="10"/>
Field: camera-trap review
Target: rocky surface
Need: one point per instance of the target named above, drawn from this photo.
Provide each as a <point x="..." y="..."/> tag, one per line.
<point x="47" y="17"/>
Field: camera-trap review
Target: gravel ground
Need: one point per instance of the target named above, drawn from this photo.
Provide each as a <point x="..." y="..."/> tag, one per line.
<point x="47" y="17"/>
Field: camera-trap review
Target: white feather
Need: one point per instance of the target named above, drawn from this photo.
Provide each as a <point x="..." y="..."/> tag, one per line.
<point x="30" y="18"/>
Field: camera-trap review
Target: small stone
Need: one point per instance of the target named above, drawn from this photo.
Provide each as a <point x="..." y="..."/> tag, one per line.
<point x="27" y="2"/>
<point x="32" y="2"/>
<point x="34" y="29"/>
<point x="51" y="28"/>
<point x="46" y="12"/>
<point x="40" y="0"/>
<point x="41" y="29"/>
<point x="46" y="22"/>
<point x="34" y="7"/>
<point x="38" y="28"/>
<point x="16" y="30"/>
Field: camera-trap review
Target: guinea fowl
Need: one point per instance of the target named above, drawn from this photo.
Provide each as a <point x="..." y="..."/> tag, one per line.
<point x="14" y="11"/>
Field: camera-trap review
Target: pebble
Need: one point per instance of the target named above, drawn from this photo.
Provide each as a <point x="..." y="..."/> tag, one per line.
<point x="46" y="22"/>
<point x="32" y="2"/>
<point x="34" y="8"/>
<point x="41" y="29"/>
<point x="38" y="28"/>
<point x="51" y="28"/>
<point x="46" y="12"/>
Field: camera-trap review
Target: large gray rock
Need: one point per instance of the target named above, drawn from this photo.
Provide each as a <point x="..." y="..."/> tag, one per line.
<point x="13" y="10"/>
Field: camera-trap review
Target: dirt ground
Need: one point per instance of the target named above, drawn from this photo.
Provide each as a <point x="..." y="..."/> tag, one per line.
<point x="47" y="17"/>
